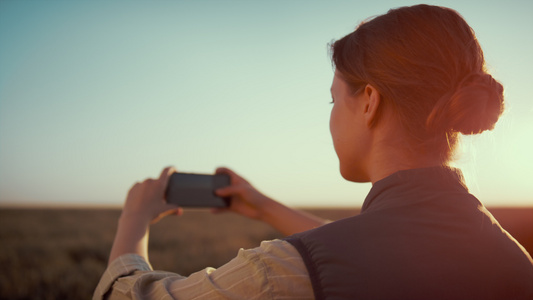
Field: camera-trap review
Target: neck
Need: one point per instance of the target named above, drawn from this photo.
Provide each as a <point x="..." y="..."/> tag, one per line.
<point x="392" y="154"/>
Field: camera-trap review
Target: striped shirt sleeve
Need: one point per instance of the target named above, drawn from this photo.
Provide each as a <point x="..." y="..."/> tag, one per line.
<point x="274" y="270"/>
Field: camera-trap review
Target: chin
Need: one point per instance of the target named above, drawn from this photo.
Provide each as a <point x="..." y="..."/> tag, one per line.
<point x="354" y="175"/>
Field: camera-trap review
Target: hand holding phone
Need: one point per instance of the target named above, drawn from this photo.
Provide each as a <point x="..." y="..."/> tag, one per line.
<point x="196" y="190"/>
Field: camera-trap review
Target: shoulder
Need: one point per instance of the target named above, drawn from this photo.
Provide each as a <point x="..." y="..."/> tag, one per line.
<point x="277" y="257"/>
<point x="283" y="268"/>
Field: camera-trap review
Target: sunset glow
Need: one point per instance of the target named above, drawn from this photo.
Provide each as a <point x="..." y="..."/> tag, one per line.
<point x="97" y="95"/>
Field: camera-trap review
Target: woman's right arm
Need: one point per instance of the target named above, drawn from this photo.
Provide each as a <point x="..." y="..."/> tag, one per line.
<point x="248" y="201"/>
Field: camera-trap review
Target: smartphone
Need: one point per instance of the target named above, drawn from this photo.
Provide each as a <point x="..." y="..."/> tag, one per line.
<point x="196" y="190"/>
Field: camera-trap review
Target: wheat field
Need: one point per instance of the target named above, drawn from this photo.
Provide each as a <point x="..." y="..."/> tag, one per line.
<point x="61" y="253"/>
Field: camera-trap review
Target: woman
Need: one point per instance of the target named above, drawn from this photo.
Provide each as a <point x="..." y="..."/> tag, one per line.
<point x="406" y="84"/>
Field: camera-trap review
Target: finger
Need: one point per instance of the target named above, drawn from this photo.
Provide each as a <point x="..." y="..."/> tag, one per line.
<point x="228" y="191"/>
<point x="222" y="170"/>
<point x="235" y="178"/>
<point x="178" y="211"/>
<point x="171" y="209"/>
<point x="167" y="172"/>
<point x="135" y="186"/>
<point x="174" y="211"/>
<point x="165" y="175"/>
<point x="148" y="181"/>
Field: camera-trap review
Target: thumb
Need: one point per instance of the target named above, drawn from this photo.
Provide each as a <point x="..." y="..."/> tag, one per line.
<point x="171" y="211"/>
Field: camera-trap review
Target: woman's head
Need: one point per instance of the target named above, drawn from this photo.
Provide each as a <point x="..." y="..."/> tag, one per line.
<point x="428" y="67"/>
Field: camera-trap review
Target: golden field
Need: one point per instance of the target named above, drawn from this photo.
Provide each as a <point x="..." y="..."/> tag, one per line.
<point x="61" y="253"/>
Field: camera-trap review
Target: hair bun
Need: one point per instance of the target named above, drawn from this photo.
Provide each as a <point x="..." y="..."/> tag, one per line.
<point x="473" y="107"/>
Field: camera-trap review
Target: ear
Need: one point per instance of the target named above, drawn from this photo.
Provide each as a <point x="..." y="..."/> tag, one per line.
<point x="372" y="105"/>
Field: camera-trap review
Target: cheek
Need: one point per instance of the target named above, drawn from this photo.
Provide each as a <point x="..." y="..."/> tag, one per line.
<point x="331" y="123"/>
<point x="338" y="132"/>
<point x="347" y="143"/>
<point x="334" y="127"/>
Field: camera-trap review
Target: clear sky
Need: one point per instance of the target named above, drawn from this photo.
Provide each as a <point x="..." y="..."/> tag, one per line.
<point x="95" y="95"/>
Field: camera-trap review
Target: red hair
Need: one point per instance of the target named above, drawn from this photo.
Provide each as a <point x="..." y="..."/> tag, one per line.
<point x="429" y="67"/>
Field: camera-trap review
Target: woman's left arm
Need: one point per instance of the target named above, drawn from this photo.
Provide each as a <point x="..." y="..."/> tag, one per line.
<point x="145" y="205"/>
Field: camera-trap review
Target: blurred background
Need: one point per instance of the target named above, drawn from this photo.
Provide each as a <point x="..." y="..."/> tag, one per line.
<point x="95" y="95"/>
